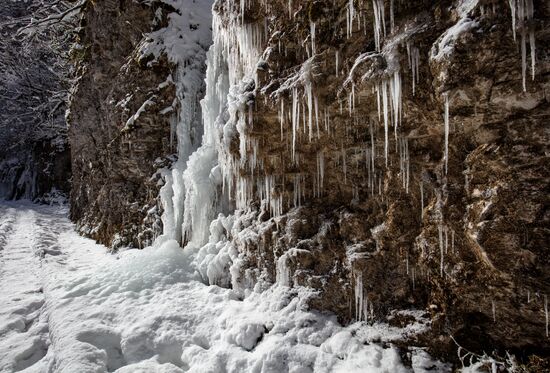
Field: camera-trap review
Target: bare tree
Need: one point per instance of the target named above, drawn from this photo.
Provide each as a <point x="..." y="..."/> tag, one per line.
<point x="35" y="36"/>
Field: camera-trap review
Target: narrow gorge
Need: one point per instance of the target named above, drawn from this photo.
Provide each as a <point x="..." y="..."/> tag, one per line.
<point x="382" y="163"/>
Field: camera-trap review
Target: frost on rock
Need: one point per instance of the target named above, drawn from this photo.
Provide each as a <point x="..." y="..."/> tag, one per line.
<point x="445" y="45"/>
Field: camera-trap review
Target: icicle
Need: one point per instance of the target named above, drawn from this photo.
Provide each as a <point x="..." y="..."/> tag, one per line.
<point x="414" y="62"/>
<point x="321" y="169"/>
<point x="513" y="9"/>
<point x="312" y="32"/>
<point x="310" y="109"/>
<point x="494" y="312"/>
<point x="446" y="152"/>
<point x="282" y="117"/>
<point x="316" y="105"/>
<point x="243" y="2"/>
<point x="379" y="22"/>
<point x="350" y="17"/>
<point x="528" y="296"/>
<point x="385" y="107"/>
<point x="404" y="162"/>
<point x="408" y="164"/>
<point x="524" y="11"/>
<point x="295" y="119"/>
<point x="359" y="298"/>
<point x="392" y="23"/>
<point x="373" y="146"/>
<point x="530" y="13"/>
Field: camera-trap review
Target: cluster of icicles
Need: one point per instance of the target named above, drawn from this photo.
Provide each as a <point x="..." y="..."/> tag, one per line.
<point x="522" y="17"/>
<point x="231" y="84"/>
<point x="299" y="107"/>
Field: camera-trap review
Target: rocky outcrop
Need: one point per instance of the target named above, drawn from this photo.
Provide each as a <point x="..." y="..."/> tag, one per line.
<point x="339" y="154"/>
<point x="390" y="155"/>
<point x="120" y="115"/>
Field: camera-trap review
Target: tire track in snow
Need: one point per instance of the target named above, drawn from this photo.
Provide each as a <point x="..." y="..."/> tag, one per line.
<point x="23" y="325"/>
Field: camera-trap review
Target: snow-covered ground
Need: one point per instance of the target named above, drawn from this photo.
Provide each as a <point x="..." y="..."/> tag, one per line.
<point x="67" y="305"/>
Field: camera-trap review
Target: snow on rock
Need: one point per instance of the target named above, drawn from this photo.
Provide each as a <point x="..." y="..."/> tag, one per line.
<point x="82" y="309"/>
<point x="446" y="43"/>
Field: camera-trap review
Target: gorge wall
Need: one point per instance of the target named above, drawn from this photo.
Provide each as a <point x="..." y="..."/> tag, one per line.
<point x="123" y="114"/>
<point x="389" y="154"/>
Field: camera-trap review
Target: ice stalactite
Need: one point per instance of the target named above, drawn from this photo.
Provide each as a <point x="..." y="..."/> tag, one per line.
<point x="361" y="299"/>
<point x="312" y="34"/>
<point x="392" y="20"/>
<point x="298" y="189"/>
<point x="305" y="106"/>
<point x="404" y="161"/>
<point x="320" y="172"/>
<point x="413" y="55"/>
<point x="446" y="124"/>
<point x="522" y="18"/>
<point x="350" y="16"/>
<point x="379" y="23"/>
<point x="389" y="99"/>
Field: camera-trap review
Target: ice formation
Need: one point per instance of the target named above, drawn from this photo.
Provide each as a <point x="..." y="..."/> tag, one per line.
<point x="522" y="17"/>
<point x="379" y="23"/>
<point x="361" y="299"/>
<point x="186" y="50"/>
<point x="350" y="15"/>
<point x="413" y="55"/>
<point x="446" y="130"/>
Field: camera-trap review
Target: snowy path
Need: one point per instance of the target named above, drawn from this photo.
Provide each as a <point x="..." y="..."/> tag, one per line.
<point x="66" y="305"/>
<point x="23" y="327"/>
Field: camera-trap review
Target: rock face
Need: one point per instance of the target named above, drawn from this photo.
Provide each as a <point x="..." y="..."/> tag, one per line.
<point x="120" y="117"/>
<point x="344" y="128"/>
<point x="332" y="148"/>
<point x="34" y="154"/>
